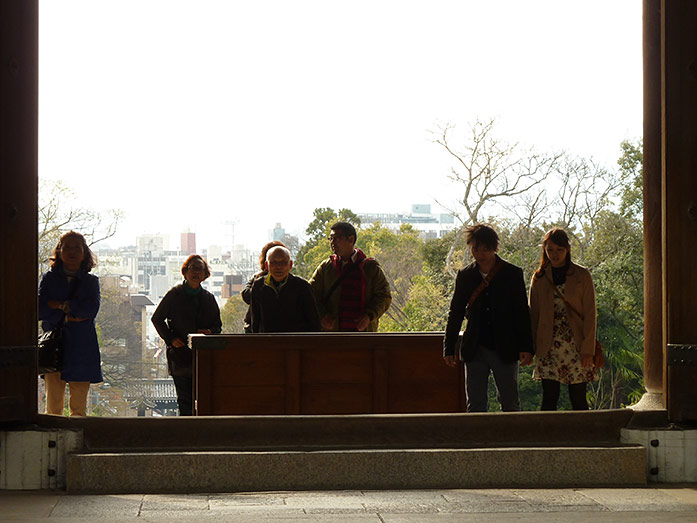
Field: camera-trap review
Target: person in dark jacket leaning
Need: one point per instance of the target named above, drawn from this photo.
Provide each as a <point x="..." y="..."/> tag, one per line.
<point x="186" y="309"/>
<point x="498" y="335"/>
<point x="280" y="301"/>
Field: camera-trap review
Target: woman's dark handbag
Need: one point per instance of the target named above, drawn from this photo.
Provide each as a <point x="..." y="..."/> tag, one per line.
<point x="51" y="350"/>
<point x="179" y="360"/>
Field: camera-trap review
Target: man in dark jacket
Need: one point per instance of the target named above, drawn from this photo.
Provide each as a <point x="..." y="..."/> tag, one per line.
<point x="280" y="301"/>
<point x="498" y="335"/>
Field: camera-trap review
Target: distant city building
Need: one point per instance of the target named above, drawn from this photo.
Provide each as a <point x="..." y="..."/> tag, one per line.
<point x="159" y="285"/>
<point x="188" y="243"/>
<point x="233" y="284"/>
<point x="428" y="224"/>
<point x="277" y="233"/>
<point x="152" y="243"/>
<point x="214" y="252"/>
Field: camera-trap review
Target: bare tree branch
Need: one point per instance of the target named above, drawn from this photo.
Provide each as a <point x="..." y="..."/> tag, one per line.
<point x="491" y="172"/>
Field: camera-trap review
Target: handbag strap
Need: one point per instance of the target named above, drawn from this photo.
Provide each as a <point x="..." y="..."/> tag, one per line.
<point x="485" y="283"/>
<point x="568" y="305"/>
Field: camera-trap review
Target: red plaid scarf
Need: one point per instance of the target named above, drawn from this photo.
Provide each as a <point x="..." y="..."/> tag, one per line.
<point x="352" y="297"/>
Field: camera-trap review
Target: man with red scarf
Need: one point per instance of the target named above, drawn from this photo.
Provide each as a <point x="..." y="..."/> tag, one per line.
<point x="351" y="289"/>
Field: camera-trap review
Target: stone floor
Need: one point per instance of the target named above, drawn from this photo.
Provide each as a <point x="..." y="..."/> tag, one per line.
<point x="648" y="504"/>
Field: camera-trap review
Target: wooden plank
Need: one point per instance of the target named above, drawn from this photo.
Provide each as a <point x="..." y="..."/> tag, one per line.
<point x="248" y="400"/>
<point x="292" y="390"/>
<point x="353" y="365"/>
<point x="380" y="381"/>
<point x="336" y="398"/>
<point x="325" y="374"/>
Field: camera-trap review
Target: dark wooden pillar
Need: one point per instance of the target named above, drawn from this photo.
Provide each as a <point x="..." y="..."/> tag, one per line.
<point x="679" y="179"/>
<point x="18" y="208"/>
<point x="653" y="259"/>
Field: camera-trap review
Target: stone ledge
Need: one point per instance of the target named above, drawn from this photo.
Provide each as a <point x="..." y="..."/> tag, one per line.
<point x="517" y="467"/>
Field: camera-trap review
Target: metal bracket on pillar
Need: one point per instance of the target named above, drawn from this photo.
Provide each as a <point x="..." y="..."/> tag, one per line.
<point x="681" y="355"/>
<point x="681" y="368"/>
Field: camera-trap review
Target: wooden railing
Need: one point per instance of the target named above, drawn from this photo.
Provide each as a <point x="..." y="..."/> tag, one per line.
<point x="323" y="373"/>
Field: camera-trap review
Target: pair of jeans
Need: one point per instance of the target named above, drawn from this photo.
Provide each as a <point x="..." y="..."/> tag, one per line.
<point x="485" y="362"/>
<point x="185" y="394"/>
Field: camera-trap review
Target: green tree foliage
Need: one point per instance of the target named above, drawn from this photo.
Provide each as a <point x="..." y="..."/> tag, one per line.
<point x="399" y="254"/>
<point x="616" y="258"/>
<point x="232" y="314"/>
<point x="119" y="334"/>
<point x="317" y="248"/>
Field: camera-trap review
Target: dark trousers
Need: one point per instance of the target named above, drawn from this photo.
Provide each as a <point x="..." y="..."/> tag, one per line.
<point x="550" y="395"/>
<point x="185" y="394"/>
<point x="477" y="372"/>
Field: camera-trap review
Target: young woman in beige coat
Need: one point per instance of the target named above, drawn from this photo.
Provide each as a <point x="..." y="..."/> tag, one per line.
<point x="564" y="335"/>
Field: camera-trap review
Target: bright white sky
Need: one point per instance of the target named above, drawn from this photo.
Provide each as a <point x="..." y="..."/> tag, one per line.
<point x="194" y="113"/>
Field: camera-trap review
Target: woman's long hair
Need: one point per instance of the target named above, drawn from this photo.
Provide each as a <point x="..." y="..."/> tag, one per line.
<point x="558" y="237"/>
<point x="88" y="262"/>
<point x="264" y="250"/>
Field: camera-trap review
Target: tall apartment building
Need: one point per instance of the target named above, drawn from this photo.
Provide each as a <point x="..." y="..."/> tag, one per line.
<point x="151" y="259"/>
<point x="188" y="243"/>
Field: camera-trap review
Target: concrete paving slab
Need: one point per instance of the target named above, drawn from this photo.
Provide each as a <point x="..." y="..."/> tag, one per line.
<point x="246" y="499"/>
<point x="405" y="501"/>
<point x="293" y="518"/>
<point x="464" y="501"/>
<point x="113" y="506"/>
<point x="258" y="511"/>
<point x="109" y="506"/>
<point x="169" y="503"/>
<point x="574" y="517"/>
<point x="338" y="499"/>
<point x="655" y="505"/>
<point x="686" y="495"/>
<point x="635" y="500"/>
<point x="561" y="500"/>
<point x="16" y="504"/>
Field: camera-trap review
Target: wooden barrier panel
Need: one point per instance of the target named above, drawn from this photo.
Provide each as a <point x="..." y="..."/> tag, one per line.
<point x="323" y="373"/>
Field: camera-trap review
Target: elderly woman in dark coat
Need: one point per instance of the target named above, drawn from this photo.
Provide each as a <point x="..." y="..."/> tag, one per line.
<point x="69" y="292"/>
<point x="247" y="291"/>
<point x="186" y="309"/>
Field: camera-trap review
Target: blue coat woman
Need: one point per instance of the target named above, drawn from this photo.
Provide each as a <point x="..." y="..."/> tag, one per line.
<point x="68" y="292"/>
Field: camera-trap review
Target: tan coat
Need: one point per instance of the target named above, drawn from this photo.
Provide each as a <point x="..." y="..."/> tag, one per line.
<point x="580" y="293"/>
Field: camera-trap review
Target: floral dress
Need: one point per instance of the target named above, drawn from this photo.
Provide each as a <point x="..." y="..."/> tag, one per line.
<point x="563" y="361"/>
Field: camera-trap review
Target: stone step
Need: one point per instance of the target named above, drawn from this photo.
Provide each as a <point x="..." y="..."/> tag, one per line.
<point x="230" y="471"/>
<point x="408" y="431"/>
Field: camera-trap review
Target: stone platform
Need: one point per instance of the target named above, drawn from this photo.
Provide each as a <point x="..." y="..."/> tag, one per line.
<point x="420" y="451"/>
